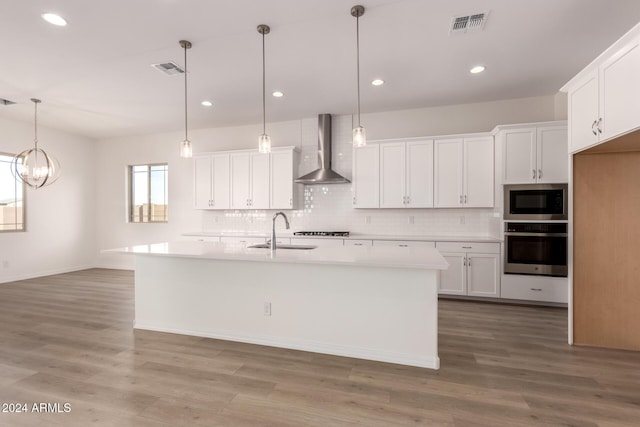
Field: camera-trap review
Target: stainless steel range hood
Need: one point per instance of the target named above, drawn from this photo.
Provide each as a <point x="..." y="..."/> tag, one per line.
<point x="324" y="174"/>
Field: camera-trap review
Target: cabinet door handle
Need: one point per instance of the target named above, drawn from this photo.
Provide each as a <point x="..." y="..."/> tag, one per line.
<point x="357" y="244"/>
<point x="598" y="125"/>
<point x="461" y="199"/>
<point x="465" y="199"/>
<point x="539" y="173"/>
<point x="291" y="202"/>
<point x="593" y="127"/>
<point x="404" y="246"/>
<point x="467" y="247"/>
<point x="354" y="200"/>
<point x="534" y="174"/>
<point x="464" y="261"/>
<point x="536" y="289"/>
<point x="469" y="262"/>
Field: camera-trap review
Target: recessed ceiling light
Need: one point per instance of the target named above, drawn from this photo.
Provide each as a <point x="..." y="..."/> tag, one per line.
<point x="377" y="82"/>
<point x="207" y="103"/>
<point x="54" y="19"/>
<point x="278" y="94"/>
<point x="477" y="69"/>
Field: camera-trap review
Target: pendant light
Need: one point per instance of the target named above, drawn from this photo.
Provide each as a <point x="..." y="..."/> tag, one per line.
<point x="186" y="150"/>
<point x="34" y="167"/>
<point x="264" y="141"/>
<point x="359" y="133"/>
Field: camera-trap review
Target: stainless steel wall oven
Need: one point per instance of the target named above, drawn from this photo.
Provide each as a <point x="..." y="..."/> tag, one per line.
<point x="538" y="248"/>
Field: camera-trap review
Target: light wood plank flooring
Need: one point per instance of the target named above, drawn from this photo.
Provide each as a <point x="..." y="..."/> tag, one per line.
<point x="68" y="339"/>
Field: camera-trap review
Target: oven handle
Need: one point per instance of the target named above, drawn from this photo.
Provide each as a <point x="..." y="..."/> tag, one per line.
<point x="511" y="233"/>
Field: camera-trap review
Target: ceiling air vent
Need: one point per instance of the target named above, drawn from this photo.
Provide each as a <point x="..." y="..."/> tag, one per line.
<point x="6" y="102"/>
<point x="465" y="23"/>
<point x="170" y="68"/>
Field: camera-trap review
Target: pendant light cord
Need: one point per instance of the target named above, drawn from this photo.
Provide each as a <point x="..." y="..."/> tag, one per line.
<point x="264" y="108"/>
<point x="35" y="140"/>
<point x="358" y="62"/>
<point x="186" y="134"/>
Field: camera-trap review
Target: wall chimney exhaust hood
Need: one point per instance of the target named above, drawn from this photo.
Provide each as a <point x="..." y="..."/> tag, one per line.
<point x="324" y="174"/>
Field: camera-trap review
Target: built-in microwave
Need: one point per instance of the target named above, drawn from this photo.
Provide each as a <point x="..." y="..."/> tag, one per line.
<point x="537" y="202"/>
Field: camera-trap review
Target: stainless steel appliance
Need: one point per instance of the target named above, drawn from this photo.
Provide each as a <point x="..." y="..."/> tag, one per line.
<point x="538" y="248"/>
<point x="322" y="233"/>
<point x="537" y="202"/>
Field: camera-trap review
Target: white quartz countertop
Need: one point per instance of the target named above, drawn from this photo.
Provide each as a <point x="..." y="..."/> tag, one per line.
<point x="352" y="236"/>
<point x="372" y="256"/>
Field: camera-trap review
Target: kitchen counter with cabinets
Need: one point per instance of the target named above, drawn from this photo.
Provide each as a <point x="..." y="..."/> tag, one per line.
<point x="376" y="303"/>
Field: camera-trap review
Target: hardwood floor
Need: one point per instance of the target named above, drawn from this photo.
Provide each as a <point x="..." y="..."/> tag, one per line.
<point x="69" y="339"/>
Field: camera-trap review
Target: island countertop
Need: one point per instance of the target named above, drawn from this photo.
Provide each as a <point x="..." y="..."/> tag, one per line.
<point x="372" y="256"/>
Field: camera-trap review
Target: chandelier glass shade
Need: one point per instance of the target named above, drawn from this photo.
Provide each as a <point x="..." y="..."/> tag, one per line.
<point x="35" y="167"/>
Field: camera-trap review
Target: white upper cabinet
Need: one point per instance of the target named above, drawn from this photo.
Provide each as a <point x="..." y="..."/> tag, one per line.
<point x="448" y="168"/>
<point x="406" y="174"/>
<point x="534" y="154"/>
<point x="551" y="154"/>
<point x="211" y="182"/>
<point x="240" y="180"/>
<point x="260" y="179"/>
<point x="464" y="169"/>
<point x="366" y="176"/>
<point x="604" y="98"/>
<point x="478" y="172"/>
<point x="282" y="188"/>
<point x="246" y="179"/>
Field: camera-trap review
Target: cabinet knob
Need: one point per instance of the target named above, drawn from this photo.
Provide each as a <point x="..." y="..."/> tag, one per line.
<point x="464" y="261"/>
<point x="461" y="199"/>
<point x="593" y="127"/>
<point x="598" y="125"/>
<point x="533" y="174"/>
<point x="465" y="199"/>
<point x="539" y="173"/>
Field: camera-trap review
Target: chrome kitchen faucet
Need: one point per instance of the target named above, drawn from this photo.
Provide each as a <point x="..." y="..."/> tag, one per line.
<point x="273" y="228"/>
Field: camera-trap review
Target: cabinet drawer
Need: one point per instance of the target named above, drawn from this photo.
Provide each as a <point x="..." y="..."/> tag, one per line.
<point x="485" y="248"/>
<point x="356" y="242"/>
<point x="321" y="243"/>
<point x="243" y="240"/>
<point x="204" y="239"/>
<point x="533" y="288"/>
<point x="404" y="243"/>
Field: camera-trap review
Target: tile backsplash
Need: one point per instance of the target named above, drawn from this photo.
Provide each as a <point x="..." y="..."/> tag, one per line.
<point x="329" y="207"/>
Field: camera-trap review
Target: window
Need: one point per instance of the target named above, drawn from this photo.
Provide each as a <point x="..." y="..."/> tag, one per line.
<point x="148" y="193"/>
<point x="12" y="211"/>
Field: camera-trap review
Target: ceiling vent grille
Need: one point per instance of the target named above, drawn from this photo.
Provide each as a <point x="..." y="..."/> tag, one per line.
<point x="6" y="102"/>
<point x="170" y="68"/>
<point x="465" y="23"/>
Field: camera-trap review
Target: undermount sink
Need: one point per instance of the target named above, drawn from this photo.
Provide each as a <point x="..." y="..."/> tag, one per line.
<point x="282" y="246"/>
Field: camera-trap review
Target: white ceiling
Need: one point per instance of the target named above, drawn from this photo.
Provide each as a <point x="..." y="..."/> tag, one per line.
<point x="94" y="76"/>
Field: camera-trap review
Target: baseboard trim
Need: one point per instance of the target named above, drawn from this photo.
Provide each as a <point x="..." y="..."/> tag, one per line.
<point x="27" y="276"/>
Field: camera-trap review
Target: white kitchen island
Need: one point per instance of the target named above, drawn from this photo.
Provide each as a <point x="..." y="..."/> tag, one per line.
<point x="376" y="303"/>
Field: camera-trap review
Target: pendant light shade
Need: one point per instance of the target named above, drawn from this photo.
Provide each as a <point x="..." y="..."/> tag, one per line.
<point x="35" y="167"/>
<point x="264" y="141"/>
<point x="359" y="133"/>
<point x="186" y="150"/>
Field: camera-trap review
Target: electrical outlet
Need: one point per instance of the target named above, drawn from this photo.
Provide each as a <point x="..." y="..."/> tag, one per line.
<point x="411" y="219"/>
<point x="267" y="309"/>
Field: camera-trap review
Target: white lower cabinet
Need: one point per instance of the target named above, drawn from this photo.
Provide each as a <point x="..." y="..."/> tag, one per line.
<point x="535" y="288"/>
<point x="474" y="269"/>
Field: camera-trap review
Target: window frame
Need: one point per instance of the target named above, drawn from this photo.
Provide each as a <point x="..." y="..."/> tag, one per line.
<point x="131" y="203"/>
<point x="24" y="201"/>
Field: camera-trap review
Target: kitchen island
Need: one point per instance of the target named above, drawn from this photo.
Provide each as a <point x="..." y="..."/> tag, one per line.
<point x="376" y="303"/>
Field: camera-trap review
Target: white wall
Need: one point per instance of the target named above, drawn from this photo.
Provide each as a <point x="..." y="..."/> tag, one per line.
<point x="60" y="232"/>
<point x="325" y="207"/>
